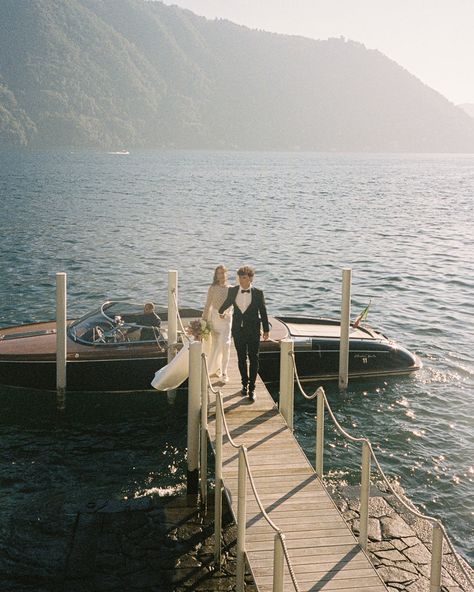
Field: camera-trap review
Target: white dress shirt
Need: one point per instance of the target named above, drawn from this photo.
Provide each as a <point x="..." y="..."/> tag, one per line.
<point x="243" y="300"/>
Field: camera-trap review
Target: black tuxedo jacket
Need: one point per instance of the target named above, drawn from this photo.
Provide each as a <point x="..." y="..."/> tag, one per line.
<point x="256" y="313"/>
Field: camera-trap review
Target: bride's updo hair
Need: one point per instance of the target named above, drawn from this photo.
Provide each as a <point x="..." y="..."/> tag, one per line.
<point x="223" y="268"/>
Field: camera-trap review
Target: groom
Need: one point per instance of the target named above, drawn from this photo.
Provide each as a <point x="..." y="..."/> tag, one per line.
<point x="249" y="313"/>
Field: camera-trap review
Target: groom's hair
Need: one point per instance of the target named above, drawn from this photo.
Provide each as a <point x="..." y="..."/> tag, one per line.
<point x="246" y="270"/>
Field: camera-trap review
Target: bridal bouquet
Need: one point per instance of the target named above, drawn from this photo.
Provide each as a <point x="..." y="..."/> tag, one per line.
<point x="199" y="329"/>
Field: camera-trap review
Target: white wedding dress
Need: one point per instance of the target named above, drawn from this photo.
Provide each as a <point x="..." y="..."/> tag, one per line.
<point x="219" y="354"/>
<point x="221" y="340"/>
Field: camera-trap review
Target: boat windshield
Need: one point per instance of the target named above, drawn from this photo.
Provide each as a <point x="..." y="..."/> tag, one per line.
<point x="119" y="322"/>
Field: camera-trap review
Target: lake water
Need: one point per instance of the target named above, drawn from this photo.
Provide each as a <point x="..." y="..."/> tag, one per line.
<point x="117" y="223"/>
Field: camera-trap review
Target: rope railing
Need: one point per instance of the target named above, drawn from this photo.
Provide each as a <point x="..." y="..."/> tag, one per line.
<point x="438" y="529"/>
<point x="180" y="321"/>
<point x="206" y="374"/>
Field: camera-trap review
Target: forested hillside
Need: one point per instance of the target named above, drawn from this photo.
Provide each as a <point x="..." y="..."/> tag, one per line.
<point x="135" y="73"/>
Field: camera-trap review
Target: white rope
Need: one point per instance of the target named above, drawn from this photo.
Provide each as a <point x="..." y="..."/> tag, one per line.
<point x="183" y="330"/>
<point x="209" y="384"/>
<point x="288" y="562"/>
<point x="226" y="427"/>
<point x="302" y="391"/>
<point x="348" y="436"/>
<point x="255" y="492"/>
<point x="338" y="425"/>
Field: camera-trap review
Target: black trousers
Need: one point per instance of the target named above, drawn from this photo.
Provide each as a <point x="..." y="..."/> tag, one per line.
<point x="247" y="345"/>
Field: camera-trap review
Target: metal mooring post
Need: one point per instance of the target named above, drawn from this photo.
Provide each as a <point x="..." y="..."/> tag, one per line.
<point x="61" y="339"/>
<point x="194" y="411"/>
<point x="172" y="313"/>
<point x="345" y="325"/>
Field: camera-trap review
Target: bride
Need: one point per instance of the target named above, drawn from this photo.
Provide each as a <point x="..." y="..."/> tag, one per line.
<point x="175" y="373"/>
<point x="220" y="324"/>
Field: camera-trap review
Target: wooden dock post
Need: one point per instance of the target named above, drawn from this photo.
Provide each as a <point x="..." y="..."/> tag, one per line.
<point x="345" y="326"/>
<point x="218" y="479"/>
<point x="194" y="412"/>
<point x="278" y="563"/>
<point x="364" y="495"/>
<point x="287" y="382"/>
<point x="436" y="558"/>
<point x="61" y="339"/>
<point x="172" y="313"/>
<point x="319" y="433"/>
<point x="241" y="520"/>
<point x="203" y="442"/>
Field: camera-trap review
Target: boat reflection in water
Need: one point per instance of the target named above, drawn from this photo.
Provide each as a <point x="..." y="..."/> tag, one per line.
<point x="114" y="349"/>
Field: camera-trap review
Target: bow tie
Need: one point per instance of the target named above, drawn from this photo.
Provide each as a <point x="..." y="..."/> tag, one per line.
<point x="245" y="291"/>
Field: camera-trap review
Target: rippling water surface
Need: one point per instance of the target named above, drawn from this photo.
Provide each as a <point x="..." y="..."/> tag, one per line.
<point x="117" y="223"/>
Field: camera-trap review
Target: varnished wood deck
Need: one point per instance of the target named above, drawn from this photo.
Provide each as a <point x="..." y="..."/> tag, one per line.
<point x="324" y="553"/>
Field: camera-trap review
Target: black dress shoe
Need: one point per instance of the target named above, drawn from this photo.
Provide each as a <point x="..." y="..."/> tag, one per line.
<point x="252" y="396"/>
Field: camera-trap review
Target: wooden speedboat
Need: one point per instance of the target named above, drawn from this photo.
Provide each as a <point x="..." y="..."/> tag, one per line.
<point x="110" y="349"/>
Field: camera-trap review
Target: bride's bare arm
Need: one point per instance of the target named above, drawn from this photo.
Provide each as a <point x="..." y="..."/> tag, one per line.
<point x="207" y="306"/>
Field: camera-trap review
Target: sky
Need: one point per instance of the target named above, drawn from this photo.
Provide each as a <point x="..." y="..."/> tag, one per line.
<point x="432" y="39"/>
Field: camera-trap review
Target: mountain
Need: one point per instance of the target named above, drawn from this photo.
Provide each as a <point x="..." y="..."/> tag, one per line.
<point x="468" y="108"/>
<point x="136" y="73"/>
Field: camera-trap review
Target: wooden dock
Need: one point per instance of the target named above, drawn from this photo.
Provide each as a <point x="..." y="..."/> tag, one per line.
<point x="323" y="551"/>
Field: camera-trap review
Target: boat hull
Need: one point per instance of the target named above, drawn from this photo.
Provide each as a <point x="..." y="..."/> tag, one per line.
<point x="136" y="374"/>
<point x="321" y="362"/>
<point x="88" y="375"/>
